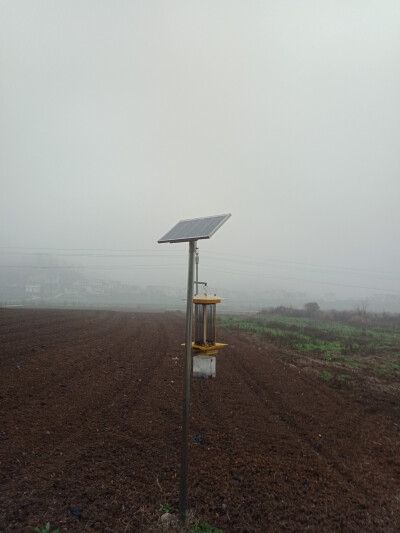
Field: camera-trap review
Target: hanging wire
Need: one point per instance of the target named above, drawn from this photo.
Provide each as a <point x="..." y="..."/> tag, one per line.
<point x="213" y="290"/>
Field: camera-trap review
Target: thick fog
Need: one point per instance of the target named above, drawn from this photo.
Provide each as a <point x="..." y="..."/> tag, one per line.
<point x="119" y="119"/>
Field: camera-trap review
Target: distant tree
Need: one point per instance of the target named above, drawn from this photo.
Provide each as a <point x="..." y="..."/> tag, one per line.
<point x="311" y="308"/>
<point x="362" y="308"/>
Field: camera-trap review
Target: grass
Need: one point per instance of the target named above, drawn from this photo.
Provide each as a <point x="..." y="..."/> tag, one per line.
<point x="372" y="345"/>
<point x="205" y="528"/>
<point x="165" y="508"/>
<point x="326" y="375"/>
<point x="46" y="529"/>
<point x="343" y="377"/>
<point x="307" y="334"/>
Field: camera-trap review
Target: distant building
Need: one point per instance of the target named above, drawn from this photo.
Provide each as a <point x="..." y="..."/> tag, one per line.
<point x="43" y="284"/>
<point x="33" y="288"/>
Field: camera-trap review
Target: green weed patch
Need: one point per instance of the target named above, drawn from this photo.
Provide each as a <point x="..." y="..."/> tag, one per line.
<point x="340" y="344"/>
<point x="306" y="334"/>
<point x="326" y="375"/>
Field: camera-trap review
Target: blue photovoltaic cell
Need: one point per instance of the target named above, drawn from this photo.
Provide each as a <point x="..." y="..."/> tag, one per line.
<point x="194" y="229"/>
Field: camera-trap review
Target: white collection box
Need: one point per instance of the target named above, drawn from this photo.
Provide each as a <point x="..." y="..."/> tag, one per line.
<point x="204" y="366"/>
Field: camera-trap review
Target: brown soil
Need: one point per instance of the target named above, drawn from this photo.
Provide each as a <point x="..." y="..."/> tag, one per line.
<point x="90" y="432"/>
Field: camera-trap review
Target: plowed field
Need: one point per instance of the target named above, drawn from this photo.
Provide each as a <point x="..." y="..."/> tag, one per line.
<point x="90" y="432"/>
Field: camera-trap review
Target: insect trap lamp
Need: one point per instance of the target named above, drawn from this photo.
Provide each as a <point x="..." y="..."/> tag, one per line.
<point x="205" y="345"/>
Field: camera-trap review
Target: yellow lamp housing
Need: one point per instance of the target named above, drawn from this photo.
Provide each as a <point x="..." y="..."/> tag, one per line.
<point x="205" y="324"/>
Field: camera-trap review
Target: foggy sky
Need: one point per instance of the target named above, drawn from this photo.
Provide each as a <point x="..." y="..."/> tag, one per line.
<point x="119" y="118"/>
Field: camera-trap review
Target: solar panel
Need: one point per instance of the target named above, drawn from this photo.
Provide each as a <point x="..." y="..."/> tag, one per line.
<point x="194" y="229"/>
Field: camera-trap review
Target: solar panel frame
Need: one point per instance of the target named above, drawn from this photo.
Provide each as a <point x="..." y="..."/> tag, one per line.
<point x="194" y="229"/>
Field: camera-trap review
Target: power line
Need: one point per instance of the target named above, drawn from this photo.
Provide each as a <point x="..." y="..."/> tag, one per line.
<point x="79" y="267"/>
<point x="85" y="249"/>
<point x="174" y="253"/>
<point x="138" y="253"/>
<point x="315" y="270"/>
<point x="281" y="261"/>
<point x="248" y="273"/>
<point x="45" y="254"/>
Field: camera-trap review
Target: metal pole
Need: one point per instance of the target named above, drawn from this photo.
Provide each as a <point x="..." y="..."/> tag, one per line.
<point x="186" y="385"/>
<point x="197" y="270"/>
